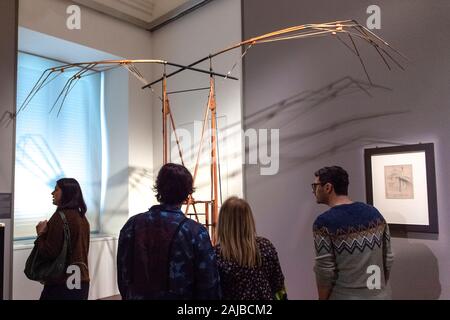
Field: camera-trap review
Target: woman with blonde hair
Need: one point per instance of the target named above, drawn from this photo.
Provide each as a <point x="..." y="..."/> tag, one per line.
<point x="248" y="265"/>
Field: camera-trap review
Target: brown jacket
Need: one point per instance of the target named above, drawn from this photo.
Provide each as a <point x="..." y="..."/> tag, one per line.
<point x="50" y="243"/>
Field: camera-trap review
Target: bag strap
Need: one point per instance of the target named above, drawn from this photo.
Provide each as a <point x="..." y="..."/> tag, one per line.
<point x="66" y="231"/>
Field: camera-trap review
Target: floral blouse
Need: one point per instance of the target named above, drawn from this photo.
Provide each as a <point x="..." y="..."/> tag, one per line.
<point x="265" y="282"/>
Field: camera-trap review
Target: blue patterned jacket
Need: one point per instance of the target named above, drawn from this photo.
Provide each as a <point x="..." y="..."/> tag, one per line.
<point x="164" y="255"/>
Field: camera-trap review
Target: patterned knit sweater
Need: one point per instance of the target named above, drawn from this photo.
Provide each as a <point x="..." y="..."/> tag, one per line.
<point x="353" y="252"/>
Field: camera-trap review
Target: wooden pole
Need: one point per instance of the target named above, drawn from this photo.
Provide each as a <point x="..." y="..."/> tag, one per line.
<point x="214" y="162"/>
<point x="207" y="215"/>
<point x="164" y="120"/>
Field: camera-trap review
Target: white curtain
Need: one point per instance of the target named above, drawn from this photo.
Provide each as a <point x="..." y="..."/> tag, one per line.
<point x="49" y="147"/>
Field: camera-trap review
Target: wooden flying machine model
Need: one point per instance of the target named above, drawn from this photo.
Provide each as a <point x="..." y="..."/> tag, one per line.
<point x="346" y="31"/>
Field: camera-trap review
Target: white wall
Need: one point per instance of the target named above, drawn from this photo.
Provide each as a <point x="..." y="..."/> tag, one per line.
<point x="115" y="209"/>
<point x="102" y="271"/>
<point x="97" y="30"/>
<point x="128" y="115"/>
<point x="118" y="38"/>
<point x="211" y="28"/>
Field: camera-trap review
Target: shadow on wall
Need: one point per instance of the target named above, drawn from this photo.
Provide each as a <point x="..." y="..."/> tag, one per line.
<point x="307" y="100"/>
<point x="415" y="273"/>
<point x="36" y="156"/>
<point x="298" y="105"/>
<point x="287" y="112"/>
<point x="6" y="119"/>
<point x="347" y="145"/>
<point x="132" y="179"/>
<point x="135" y="176"/>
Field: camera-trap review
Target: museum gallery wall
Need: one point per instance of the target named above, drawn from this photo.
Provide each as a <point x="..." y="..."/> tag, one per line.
<point x="318" y="96"/>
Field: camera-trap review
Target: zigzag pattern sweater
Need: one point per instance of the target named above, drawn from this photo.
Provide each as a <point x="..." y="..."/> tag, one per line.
<point x="351" y="242"/>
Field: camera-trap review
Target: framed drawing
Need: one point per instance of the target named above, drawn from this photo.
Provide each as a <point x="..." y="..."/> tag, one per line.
<point x="401" y="184"/>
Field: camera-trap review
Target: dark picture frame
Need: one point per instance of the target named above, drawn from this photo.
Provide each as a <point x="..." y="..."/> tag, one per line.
<point x="401" y="183"/>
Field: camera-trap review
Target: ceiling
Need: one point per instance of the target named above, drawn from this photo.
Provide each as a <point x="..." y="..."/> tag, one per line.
<point x="148" y="14"/>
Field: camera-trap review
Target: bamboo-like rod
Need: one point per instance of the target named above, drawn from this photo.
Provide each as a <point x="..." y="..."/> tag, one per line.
<point x="303" y="31"/>
<point x="164" y="121"/>
<point x="214" y="177"/>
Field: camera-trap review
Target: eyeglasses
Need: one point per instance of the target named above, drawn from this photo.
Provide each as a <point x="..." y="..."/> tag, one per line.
<point x="314" y="185"/>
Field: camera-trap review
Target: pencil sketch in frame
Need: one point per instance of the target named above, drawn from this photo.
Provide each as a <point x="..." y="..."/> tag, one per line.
<point x="399" y="182"/>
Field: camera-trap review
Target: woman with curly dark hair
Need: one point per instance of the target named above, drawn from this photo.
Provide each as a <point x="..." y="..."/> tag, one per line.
<point x="162" y="254"/>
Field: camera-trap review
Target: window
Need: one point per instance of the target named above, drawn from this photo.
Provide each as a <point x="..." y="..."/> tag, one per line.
<point x="49" y="147"/>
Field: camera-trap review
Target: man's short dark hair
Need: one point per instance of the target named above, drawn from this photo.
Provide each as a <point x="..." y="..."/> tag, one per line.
<point x="335" y="175"/>
<point x="174" y="184"/>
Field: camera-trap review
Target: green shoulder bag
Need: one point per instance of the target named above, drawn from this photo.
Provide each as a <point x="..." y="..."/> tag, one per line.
<point x="41" y="269"/>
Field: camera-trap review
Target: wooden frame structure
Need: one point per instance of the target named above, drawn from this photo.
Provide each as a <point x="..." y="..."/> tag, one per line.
<point x="351" y="28"/>
<point x="347" y="28"/>
<point x="211" y="206"/>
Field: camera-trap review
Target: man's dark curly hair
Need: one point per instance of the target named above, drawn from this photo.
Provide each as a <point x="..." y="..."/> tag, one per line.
<point x="335" y="175"/>
<point x="174" y="184"/>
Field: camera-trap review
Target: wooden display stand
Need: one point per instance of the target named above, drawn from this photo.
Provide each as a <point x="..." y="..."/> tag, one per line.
<point x="211" y="206"/>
